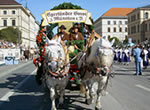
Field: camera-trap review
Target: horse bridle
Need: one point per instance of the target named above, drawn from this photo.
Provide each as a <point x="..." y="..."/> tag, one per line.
<point x="103" y="69"/>
<point x="62" y="70"/>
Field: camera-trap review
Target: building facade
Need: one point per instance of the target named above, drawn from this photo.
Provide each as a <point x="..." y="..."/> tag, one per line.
<point x="139" y="24"/>
<point x="15" y="15"/>
<point x="114" y="23"/>
<point x="147" y="30"/>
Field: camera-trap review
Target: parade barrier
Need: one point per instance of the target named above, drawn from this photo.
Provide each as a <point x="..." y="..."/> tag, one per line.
<point x="9" y="56"/>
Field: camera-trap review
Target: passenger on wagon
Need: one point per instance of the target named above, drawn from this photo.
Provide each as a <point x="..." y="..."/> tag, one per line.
<point x="64" y="36"/>
<point x="76" y="35"/>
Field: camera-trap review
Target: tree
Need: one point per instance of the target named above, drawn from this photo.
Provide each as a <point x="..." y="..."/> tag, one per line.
<point x="117" y="41"/>
<point x="11" y="34"/>
<point x="125" y="41"/>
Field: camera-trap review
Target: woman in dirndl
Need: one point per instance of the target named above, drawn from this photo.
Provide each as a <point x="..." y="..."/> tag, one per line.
<point x="115" y="55"/>
<point x="127" y="56"/>
<point x="120" y="55"/>
<point x="123" y="57"/>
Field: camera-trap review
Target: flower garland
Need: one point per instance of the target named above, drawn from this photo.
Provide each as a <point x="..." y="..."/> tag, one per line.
<point x="40" y="40"/>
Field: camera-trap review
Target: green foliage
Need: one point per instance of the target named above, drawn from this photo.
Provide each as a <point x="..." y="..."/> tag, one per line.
<point x="125" y="41"/>
<point x="79" y="44"/>
<point x="117" y="41"/>
<point x="66" y="6"/>
<point x="50" y="30"/>
<point x="10" y="34"/>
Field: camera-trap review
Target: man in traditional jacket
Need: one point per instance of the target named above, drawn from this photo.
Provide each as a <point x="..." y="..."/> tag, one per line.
<point x="76" y="35"/>
<point x="64" y="36"/>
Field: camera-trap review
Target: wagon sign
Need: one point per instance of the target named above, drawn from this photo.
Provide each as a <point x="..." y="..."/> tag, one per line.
<point x="58" y="16"/>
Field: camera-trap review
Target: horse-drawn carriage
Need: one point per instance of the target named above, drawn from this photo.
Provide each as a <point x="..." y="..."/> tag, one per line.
<point x="86" y="59"/>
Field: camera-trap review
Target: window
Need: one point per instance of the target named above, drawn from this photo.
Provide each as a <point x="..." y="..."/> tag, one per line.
<point x="138" y="16"/>
<point x="145" y="27"/>
<point x="5" y="22"/>
<point x="4" y="12"/>
<point x="13" y="12"/>
<point x="114" y="29"/>
<point x="138" y="28"/>
<point x="108" y="29"/>
<point x="126" y="29"/>
<point x="133" y="18"/>
<point x="133" y="29"/>
<point x="128" y="19"/>
<point x="114" y="22"/>
<point x="120" y="29"/>
<point x="13" y="22"/>
<point x="146" y="15"/>
<point x="126" y="22"/>
<point x="120" y="22"/>
<point x="108" y="22"/>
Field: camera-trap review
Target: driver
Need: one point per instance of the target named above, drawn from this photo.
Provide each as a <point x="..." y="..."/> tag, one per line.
<point x="64" y="36"/>
<point x="76" y="35"/>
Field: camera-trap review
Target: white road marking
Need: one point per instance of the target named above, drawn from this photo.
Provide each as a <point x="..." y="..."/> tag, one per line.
<point x="10" y="93"/>
<point x="142" y="87"/>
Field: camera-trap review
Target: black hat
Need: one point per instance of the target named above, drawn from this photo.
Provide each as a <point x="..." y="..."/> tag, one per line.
<point x="75" y="26"/>
<point x="62" y="27"/>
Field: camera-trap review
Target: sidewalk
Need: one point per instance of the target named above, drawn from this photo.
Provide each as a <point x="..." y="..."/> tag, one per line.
<point x="5" y="69"/>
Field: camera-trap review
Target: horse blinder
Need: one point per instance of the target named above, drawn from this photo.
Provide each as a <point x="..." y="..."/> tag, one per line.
<point x="102" y="71"/>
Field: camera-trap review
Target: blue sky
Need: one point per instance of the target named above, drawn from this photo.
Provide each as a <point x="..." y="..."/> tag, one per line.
<point x="97" y="7"/>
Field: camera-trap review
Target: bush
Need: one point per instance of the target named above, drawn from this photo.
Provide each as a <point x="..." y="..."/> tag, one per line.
<point x="11" y="34"/>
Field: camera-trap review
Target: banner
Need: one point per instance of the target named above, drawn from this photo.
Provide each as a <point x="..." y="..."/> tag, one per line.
<point x="9" y="52"/>
<point x="58" y="16"/>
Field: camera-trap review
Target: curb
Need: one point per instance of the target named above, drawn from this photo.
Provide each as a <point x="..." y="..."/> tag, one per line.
<point x="2" y="64"/>
<point x="13" y="69"/>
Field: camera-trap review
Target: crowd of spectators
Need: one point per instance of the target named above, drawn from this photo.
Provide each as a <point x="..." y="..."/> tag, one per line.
<point x="5" y="44"/>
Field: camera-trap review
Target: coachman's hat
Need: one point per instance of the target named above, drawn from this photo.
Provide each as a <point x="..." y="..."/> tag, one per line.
<point x="75" y="27"/>
<point x="62" y="27"/>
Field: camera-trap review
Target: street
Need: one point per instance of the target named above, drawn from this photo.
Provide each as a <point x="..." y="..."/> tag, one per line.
<point x="19" y="91"/>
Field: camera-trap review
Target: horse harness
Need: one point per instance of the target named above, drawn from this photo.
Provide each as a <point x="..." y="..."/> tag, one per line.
<point x="62" y="70"/>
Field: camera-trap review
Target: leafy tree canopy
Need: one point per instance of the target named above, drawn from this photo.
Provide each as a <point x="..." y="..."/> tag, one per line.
<point x="125" y="41"/>
<point x="10" y="34"/>
<point x="66" y="6"/>
<point x="117" y="41"/>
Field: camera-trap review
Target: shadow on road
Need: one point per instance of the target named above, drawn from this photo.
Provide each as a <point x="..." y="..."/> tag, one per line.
<point x="27" y="97"/>
<point x="30" y="96"/>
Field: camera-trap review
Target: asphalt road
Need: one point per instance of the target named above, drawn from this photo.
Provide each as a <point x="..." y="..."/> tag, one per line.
<point x="19" y="91"/>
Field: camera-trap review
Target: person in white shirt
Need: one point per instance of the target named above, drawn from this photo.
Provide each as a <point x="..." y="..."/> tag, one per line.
<point x="145" y="58"/>
<point x="127" y="56"/>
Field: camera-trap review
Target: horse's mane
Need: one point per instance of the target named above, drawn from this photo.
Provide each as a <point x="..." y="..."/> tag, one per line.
<point x="99" y="43"/>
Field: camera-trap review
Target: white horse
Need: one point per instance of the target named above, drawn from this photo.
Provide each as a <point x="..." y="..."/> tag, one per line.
<point x="95" y="70"/>
<point x="56" y="68"/>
